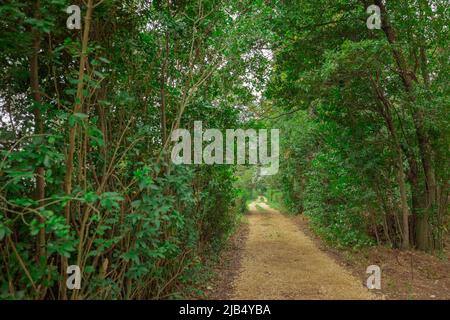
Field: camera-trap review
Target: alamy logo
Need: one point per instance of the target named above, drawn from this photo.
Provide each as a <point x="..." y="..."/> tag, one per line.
<point x="374" y="280"/>
<point x="374" y="20"/>
<point x="74" y="20"/>
<point x="213" y="153"/>
<point x="74" y="278"/>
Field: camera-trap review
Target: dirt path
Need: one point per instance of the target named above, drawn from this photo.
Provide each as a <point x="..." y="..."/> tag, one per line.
<point x="281" y="262"/>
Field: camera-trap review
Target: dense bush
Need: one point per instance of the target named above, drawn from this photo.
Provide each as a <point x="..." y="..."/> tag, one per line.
<point x="364" y="119"/>
<point x="86" y="120"/>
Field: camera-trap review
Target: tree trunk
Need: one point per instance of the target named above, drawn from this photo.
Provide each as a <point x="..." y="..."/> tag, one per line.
<point x="386" y="113"/>
<point x="424" y="239"/>
<point x="163" y="93"/>
<point x="39" y="126"/>
<point x="72" y="132"/>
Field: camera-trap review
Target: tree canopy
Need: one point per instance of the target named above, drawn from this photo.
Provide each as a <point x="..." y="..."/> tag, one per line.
<point x="87" y="115"/>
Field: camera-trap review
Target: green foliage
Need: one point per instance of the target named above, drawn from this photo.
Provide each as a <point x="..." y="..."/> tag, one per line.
<point x="85" y="170"/>
<point x="351" y="106"/>
<point x="138" y="226"/>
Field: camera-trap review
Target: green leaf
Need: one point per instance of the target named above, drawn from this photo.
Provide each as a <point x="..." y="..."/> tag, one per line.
<point x="104" y="60"/>
<point x="4" y="231"/>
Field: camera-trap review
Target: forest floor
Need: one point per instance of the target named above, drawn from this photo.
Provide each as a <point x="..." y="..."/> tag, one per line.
<point x="405" y="275"/>
<point x="277" y="256"/>
<point x="270" y="257"/>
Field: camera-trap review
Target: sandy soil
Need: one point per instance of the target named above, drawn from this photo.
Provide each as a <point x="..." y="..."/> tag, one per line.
<point x="405" y="275"/>
<point x="281" y="262"/>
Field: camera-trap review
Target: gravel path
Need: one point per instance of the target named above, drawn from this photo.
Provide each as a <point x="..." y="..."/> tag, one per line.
<point x="281" y="262"/>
